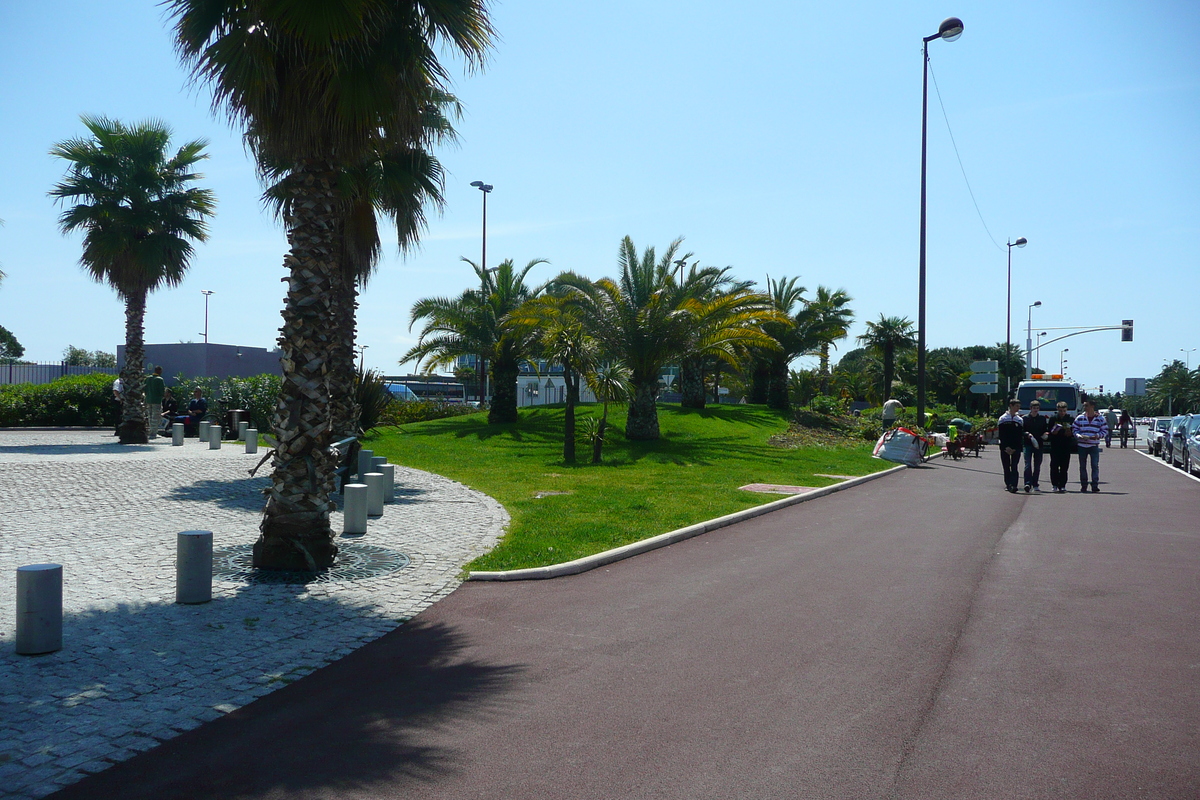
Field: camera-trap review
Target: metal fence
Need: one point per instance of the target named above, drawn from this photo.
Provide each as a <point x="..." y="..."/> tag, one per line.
<point x="44" y="373"/>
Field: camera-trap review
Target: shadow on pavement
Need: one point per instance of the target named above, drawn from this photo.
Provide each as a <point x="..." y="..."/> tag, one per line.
<point x="112" y="447"/>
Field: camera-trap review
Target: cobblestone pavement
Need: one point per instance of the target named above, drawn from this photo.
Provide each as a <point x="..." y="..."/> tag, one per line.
<point x="136" y="669"/>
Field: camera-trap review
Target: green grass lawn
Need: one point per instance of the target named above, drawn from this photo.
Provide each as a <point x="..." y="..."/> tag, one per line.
<point x="642" y="489"/>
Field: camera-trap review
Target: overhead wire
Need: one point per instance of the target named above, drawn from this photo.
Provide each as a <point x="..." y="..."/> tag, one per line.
<point x="963" y="169"/>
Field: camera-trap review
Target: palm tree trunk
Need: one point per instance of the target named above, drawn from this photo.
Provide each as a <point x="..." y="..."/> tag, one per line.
<point x="716" y="383"/>
<point x="295" y="527"/>
<point x="598" y="444"/>
<point x="504" y="391"/>
<point x="760" y="379"/>
<point x="572" y="381"/>
<point x="344" y="410"/>
<point x="642" y="423"/>
<point x="133" y="394"/>
<point x="777" y="388"/>
<point x="691" y="382"/>
<point x="824" y="367"/>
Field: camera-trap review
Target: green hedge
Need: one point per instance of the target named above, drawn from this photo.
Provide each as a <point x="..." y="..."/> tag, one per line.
<point x="73" y="400"/>
<point x="399" y="413"/>
<point x="256" y="394"/>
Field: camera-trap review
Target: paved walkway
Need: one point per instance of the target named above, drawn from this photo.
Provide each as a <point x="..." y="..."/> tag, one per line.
<point x="136" y="669"/>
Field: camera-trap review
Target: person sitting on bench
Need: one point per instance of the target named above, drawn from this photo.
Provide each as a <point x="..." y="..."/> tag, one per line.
<point x="197" y="409"/>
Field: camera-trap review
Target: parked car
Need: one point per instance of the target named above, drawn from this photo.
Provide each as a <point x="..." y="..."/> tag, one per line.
<point x="1191" y="445"/>
<point x="1156" y="429"/>
<point x="1174" y="441"/>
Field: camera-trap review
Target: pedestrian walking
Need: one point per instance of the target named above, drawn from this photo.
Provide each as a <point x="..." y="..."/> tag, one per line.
<point x="1126" y="426"/>
<point x="1090" y="430"/>
<point x="1012" y="434"/>
<point x="1062" y="447"/>
<point x="118" y="390"/>
<point x="1110" y="419"/>
<point x="1037" y="433"/>
<point x="156" y="387"/>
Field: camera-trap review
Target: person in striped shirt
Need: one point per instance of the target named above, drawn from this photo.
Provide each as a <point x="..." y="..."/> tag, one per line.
<point x="1090" y="430"/>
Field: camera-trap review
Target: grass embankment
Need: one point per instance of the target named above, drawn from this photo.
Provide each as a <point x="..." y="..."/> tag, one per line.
<point x="560" y="512"/>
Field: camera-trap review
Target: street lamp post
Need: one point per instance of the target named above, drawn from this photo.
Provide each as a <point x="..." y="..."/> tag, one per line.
<point x="481" y="365"/>
<point x="950" y="29"/>
<point x="1029" y="340"/>
<point x="1187" y="357"/>
<point x="362" y="357"/>
<point x="206" y="294"/>
<point x="1038" y="350"/>
<point x="1021" y="242"/>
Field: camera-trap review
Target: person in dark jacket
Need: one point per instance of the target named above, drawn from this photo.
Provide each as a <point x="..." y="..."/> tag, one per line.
<point x="1037" y="431"/>
<point x="1012" y="439"/>
<point x="1062" y="447"/>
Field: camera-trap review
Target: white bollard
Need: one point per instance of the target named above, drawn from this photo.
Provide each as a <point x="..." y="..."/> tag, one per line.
<point x="193" y="566"/>
<point x="364" y="463"/>
<point x="243" y="425"/>
<point x="374" y="482"/>
<point x="389" y="482"/>
<point x="177" y="434"/>
<point x="214" y="437"/>
<point x="354" y="509"/>
<point x="251" y="440"/>
<point x="202" y="428"/>
<point x="39" y="609"/>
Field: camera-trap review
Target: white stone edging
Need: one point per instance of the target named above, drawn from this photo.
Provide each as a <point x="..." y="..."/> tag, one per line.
<point x="663" y="539"/>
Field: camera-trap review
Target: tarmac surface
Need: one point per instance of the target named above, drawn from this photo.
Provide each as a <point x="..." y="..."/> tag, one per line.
<point x="136" y="669"/>
<point x="927" y="635"/>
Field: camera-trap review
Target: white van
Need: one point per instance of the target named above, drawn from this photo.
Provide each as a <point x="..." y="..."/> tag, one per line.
<point x="1049" y="392"/>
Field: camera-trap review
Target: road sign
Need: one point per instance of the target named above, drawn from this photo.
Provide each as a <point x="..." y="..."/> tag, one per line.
<point x="985" y="377"/>
<point x="985" y="366"/>
<point x="1135" y="386"/>
<point x="985" y="388"/>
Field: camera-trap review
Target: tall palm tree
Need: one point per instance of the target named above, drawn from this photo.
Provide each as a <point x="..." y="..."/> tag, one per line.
<point x="794" y="335"/>
<point x="324" y="88"/>
<point x="829" y="317"/>
<point x="888" y="336"/>
<point x="478" y="322"/>
<point x="717" y="289"/>
<point x="139" y="216"/>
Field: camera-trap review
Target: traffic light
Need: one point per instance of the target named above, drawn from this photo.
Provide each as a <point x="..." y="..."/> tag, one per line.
<point x="1126" y="330"/>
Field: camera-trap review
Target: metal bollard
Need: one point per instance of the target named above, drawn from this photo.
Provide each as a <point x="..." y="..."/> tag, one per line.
<point x="193" y="566"/>
<point x="39" y="609"/>
<point x="202" y="428"/>
<point x="354" y="510"/>
<point x="177" y="434"/>
<point x="214" y="437"/>
<point x="364" y="463"/>
<point x="374" y="482"/>
<point x="377" y="462"/>
<point x="242" y="426"/>
<point x="389" y="482"/>
<point x="251" y="440"/>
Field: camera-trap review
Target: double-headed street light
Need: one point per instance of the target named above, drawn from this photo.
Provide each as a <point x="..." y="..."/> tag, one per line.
<point x="950" y="29"/>
<point x="1187" y="355"/>
<point x="481" y="365"/>
<point x="1029" y="340"/>
<point x="1008" y="306"/>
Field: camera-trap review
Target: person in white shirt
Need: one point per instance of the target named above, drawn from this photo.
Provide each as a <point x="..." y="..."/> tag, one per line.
<point x="891" y="410"/>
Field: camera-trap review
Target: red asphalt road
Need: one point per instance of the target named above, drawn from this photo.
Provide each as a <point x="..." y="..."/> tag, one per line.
<point x="926" y="635"/>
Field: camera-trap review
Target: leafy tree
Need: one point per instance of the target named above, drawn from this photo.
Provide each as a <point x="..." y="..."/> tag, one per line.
<point x="886" y="337"/>
<point x="477" y="322"/>
<point x="10" y="348"/>
<point x="79" y="357"/>
<point x="139" y="216"/>
<point x="1175" y="388"/>
<point x="326" y="89"/>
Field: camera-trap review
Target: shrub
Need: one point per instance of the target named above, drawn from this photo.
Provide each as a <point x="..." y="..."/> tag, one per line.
<point x="422" y="411"/>
<point x="74" y="400"/>
<point x="372" y="397"/>
<point x="828" y="404"/>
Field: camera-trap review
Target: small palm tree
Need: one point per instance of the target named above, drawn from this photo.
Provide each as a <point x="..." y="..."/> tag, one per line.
<point x="610" y="383"/>
<point x="478" y="322"/>
<point x="139" y="216"/>
<point x="829" y="318"/>
<point x="888" y="336"/>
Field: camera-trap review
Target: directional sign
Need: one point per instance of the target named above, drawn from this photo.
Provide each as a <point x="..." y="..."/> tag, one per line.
<point x="985" y="377"/>
<point x="985" y="388"/>
<point x="985" y="366"/>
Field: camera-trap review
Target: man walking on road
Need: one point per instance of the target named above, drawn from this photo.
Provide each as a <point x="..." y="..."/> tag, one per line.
<point x="1012" y="435"/>
<point x="1090" y="429"/>
<point x="1062" y="447"/>
<point x="1037" y="432"/>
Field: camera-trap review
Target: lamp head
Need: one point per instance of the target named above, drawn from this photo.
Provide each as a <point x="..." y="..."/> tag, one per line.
<point x="1021" y="242"/>
<point x="950" y="29"/>
<point x="1037" y="303"/>
<point x="477" y="184"/>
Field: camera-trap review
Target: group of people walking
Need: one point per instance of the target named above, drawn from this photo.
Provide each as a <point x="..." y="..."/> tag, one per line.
<point x="1062" y="435"/>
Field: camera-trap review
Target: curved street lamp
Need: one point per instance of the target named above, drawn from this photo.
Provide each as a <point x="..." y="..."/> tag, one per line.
<point x="1021" y="242"/>
<point x="950" y="29"/>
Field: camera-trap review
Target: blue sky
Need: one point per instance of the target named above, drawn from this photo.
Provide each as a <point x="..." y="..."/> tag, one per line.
<point x="782" y="143"/>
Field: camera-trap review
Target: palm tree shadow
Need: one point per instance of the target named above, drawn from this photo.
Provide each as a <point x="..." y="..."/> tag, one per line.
<point x="360" y="722"/>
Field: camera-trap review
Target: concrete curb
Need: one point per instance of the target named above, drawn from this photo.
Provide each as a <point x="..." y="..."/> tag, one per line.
<point x="663" y="539"/>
